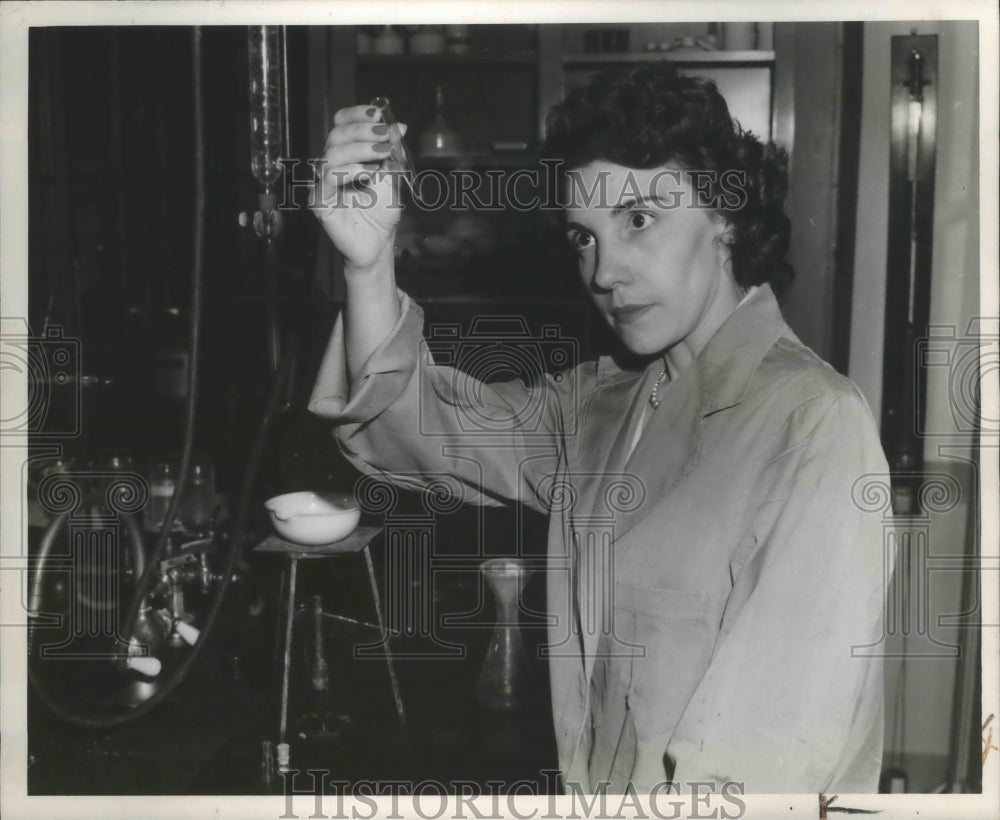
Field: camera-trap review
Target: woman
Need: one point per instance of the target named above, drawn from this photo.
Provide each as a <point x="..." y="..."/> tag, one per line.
<point x="713" y="585"/>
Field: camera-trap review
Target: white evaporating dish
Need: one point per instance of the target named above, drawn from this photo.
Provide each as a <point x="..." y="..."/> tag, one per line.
<point x="311" y="519"/>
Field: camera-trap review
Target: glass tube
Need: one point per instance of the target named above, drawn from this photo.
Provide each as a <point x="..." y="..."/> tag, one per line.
<point x="264" y="63"/>
<point x="399" y="159"/>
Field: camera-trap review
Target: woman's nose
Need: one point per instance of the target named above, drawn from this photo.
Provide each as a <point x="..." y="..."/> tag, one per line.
<point x="610" y="269"/>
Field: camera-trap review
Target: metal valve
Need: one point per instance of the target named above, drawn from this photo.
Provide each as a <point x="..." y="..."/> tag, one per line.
<point x="267" y="222"/>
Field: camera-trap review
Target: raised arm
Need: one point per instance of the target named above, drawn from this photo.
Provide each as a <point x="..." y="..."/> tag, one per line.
<point x="359" y="208"/>
<point x="395" y="412"/>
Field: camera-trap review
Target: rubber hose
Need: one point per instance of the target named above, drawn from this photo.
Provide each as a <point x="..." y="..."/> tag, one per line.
<point x="48" y="541"/>
<point x="147" y="577"/>
<point x="238" y="531"/>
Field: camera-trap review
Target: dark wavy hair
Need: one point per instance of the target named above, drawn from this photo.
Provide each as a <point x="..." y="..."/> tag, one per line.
<point x="647" y="115"/>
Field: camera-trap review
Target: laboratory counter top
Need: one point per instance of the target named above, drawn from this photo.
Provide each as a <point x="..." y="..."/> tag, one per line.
<point x="208" y="738"/>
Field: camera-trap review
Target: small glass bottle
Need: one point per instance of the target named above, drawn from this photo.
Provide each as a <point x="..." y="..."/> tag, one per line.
<point x="428" y="40"/>
<point x="457" y="38"/>
<point x="440" y="139"/>
<point x="198" y="501"/>
<point x="388" y="42"/>
<point x="738" y="36"/>
<point x="162" y="480"/>
<point x="362" y="42"/>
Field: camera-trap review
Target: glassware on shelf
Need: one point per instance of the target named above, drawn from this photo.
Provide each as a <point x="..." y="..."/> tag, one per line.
<point x="738" y="36"/>
<point x="505" y="668"/>
<point x="440" y="139"/>
<point x="388" y="41"/>
<point x="427" y="40"/>
<point x="362" y="42"/>
<point x="457" y="38"/>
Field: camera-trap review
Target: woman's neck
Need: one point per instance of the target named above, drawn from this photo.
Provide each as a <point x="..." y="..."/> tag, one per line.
<point x="723" y="304"/>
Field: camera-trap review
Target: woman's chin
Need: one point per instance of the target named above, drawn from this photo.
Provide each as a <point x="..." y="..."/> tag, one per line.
<point x="641" y="346"/>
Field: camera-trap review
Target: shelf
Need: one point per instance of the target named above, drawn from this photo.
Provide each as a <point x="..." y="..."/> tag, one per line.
<point x="530" y="60"/>
<point x="449" y="60"/>
<point x="741" y="57"/>
<point x="502" y="90"/>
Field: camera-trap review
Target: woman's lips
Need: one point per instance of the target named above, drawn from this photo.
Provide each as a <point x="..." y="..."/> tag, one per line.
<point x="630" y="313"/>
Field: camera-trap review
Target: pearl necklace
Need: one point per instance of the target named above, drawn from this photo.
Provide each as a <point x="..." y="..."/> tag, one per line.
<point x="654" y="399"/>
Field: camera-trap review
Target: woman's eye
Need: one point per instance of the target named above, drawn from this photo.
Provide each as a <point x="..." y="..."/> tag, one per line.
<point x="580" y="240"/>
<point x="639" y="220"/>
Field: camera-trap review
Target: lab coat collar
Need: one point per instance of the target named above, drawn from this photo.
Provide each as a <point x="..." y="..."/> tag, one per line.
<point x="731" y="358"/>
<point x="671" y="444"/>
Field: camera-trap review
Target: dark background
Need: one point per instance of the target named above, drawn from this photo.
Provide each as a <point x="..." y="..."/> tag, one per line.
<point x="112" y="176"/>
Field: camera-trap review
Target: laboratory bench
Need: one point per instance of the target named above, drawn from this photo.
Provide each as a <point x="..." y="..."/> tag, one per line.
<point x="208" y="736"/>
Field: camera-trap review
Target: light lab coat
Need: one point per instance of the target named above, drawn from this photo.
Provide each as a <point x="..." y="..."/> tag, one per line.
<point x="716" y="584"/>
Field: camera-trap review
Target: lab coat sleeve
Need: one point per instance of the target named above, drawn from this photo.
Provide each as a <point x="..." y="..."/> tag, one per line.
<point x="793" y="698"/>
<point x="418" y="424"/>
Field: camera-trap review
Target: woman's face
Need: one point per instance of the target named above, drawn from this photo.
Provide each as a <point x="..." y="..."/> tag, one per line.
<point x="651" y="257"/>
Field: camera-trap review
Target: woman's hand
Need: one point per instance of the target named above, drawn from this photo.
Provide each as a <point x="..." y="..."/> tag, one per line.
<point x="358" y="206"/>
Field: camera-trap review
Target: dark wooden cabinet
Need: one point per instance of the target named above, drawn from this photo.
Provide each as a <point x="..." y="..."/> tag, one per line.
<point x="496" y="96"/>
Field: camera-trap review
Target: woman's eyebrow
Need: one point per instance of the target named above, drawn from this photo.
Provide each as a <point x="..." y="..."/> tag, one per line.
<point x="631" y="202"/>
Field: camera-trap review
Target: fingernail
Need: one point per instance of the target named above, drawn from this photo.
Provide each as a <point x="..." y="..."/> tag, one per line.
<point x="382" y="146"/>
<point x="380" y="130"/>
<point x="371" y="112"/>
<point x="372" y="166"/>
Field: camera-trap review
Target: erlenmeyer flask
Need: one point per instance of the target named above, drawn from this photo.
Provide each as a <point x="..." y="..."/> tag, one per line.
<point x="505" y="667"/>
<point x="440" y="139"/>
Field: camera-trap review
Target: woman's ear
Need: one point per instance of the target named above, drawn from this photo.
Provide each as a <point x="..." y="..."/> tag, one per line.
<point x="723" y="231"/>
<point x="723" y="243"/>
<point x="722" y="225"/>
